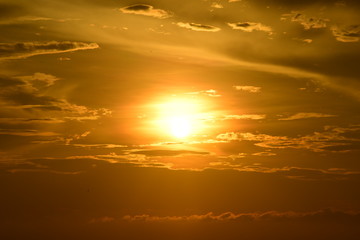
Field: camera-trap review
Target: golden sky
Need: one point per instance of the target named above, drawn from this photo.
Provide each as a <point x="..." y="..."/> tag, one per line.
<point x="179" y="119"/>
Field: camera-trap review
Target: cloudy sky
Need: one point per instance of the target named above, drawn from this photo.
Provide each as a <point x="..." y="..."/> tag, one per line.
<point x="182" y="119"/>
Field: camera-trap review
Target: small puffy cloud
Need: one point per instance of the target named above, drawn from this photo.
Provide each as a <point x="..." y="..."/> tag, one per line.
<point x="251" y="89"/>
<point x="28" y="49"/>
<point x="216" y="5"/>
<point x="250" y="27"/>
<point x="198" y="27"/>
<point x="64" y="59"/>
<point x="350" y="33"/>
<point x="145" y="10"/>
<point x="307" y="22"/>
<point x="307" y="115"/>
<point x="307" y="40"/>
<point x="304" y="40"/>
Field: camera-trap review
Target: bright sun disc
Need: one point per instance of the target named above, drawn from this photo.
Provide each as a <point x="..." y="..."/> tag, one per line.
<point x="178" y="117"/>
<point x="180" y="126"/>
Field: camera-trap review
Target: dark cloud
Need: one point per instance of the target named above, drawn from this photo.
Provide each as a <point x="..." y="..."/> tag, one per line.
<point x="350" y="33"/>
<point x="28" y="93"/>
<point x="198" y="27"/>
<point x="28" y="49"/>
<point x="250" y="27"/>
<point x="146" y="10"/>
<point x="24" y="90"/>
<point x="138" y="7"/>
<point x="305" y="21"/>
<point x="10" y="82"/>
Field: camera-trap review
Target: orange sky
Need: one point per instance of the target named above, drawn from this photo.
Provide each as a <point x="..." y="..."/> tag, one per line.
<point x="178" y="119"/>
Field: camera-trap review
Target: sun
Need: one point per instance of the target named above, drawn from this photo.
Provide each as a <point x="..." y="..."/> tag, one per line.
<point x="180" y="126"/>
<point x="179" y="118"/>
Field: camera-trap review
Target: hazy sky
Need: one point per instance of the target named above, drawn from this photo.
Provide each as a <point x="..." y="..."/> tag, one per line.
<point x="179" y="119"/>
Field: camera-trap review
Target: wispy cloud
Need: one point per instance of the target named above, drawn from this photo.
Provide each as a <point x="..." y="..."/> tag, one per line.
<point x="330" y="139"/>
<point x="27" y="132"/>
<point x="29" y="93"/>
<point x="146" y="10"/>
<point x="210" y="93"/>
<point x="264" y="154"/>
<point x="20" y="120"/>
<point x="320" y="215"/>
<point x="251" y="89"/>
<point x="306" y="115"/>
<point x="28" y="49"/>
<point x="245" y="116"/>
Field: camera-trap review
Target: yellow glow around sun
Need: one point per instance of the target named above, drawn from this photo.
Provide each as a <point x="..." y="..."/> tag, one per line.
<point x="179" y="117"/>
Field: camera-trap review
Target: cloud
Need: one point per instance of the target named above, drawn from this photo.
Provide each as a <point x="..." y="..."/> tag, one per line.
<point x="20" y="120"/>
<point x="26" y="132"/>
<point x="25" y="108"/>
<point x="145" y="10"/>
<point x="349" y="33"/>
<point x="20" y="170"/>
<point x="100" y="145"/>
<point x="291" y="172"/>
<point x="74" y="137"/>
<point x="64" y="59"/>
<point x="264" y="154"/>
<point x="306" y="22"/>
<point x="245" y="116"/>
<point x="198" y="27"/>
<point x="105" y="219"/>
<point x="163" y="152"/>
<point x="317" y="142"/>
<point x="42" y="79"/>
<point x="307" y="115"/>
<point x="18" y="93"/>
<point x="251" y="89"/>
<point x="28" y="49"/>
<point x="250" y="27"/>
<point x="320" y="215"/>
<point x="31" y="18"/>
<point x="210" y="93"/>
<point x="216" y="5"/>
